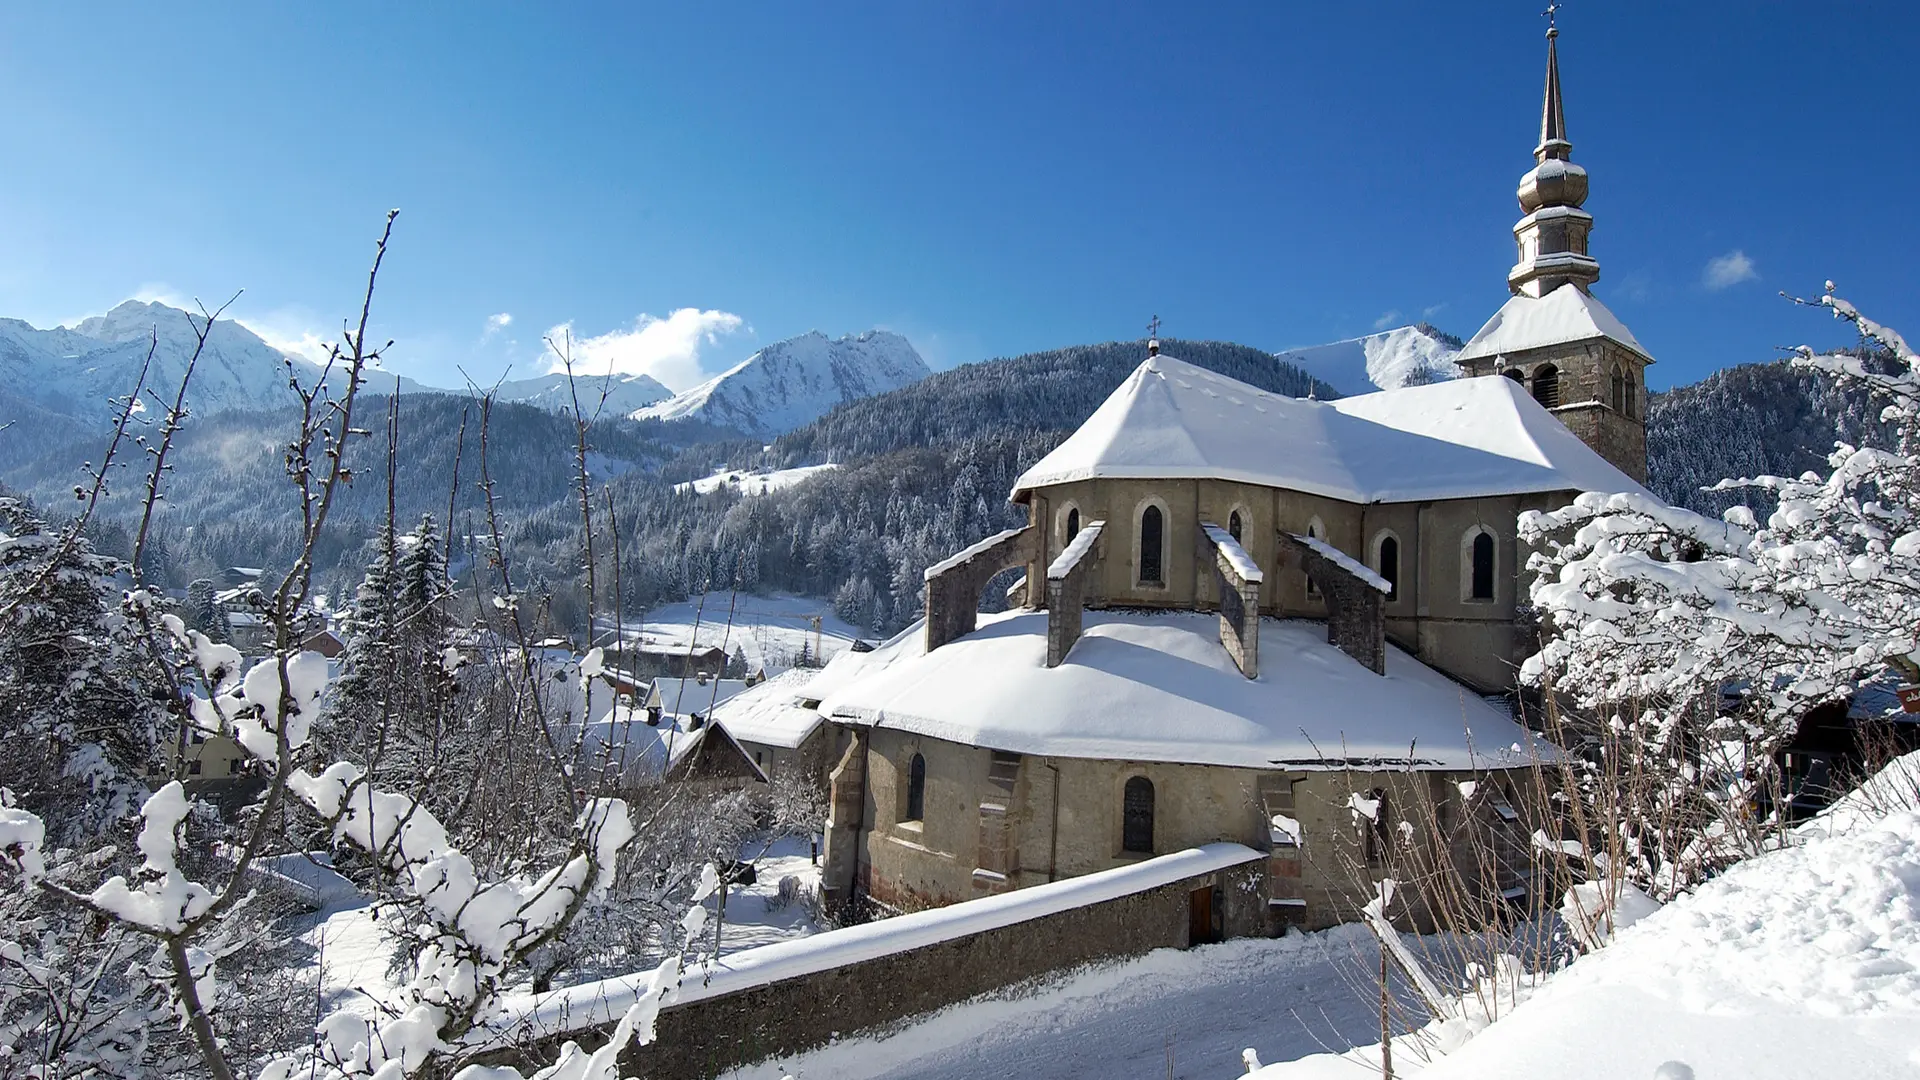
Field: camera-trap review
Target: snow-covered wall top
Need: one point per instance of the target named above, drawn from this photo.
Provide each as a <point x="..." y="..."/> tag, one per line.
<point x="793" y="382"/>
<point x="601" y="1004"/>
<point x="1408" y="356"/>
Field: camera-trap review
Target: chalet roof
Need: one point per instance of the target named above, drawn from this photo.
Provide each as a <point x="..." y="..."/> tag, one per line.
<point x="675" y="696"/>
<point x="770" y="714"/>
<point x="1532" y="322"/>
<point x="1159" y="687"/>
<point x="1451" y="440"/>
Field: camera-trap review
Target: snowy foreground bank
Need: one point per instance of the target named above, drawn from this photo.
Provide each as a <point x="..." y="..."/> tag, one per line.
<point x="1800" y="963"/>
<point x="1185" y="1013"/>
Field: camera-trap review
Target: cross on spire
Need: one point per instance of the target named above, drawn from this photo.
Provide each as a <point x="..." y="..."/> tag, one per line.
<point x="1553" y="9"/>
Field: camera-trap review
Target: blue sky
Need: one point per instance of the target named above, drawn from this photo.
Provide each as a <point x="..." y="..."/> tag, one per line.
<point x="988" y="179"/>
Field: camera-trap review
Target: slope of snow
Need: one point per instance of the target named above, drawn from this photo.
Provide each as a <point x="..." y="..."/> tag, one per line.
<point x="1185" y="1012"/>
<point x="771" y="630"/>
<point x="1159" y="687"/>
<point x="1797" y="963"/>
<point x="1408" y="356"/>
<point x="793" y="382"/>
<point x="752" y="483"/>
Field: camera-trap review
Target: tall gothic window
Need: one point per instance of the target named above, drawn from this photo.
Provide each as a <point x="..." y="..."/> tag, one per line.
<point x="1136" y="816"/>
<point x="1073" y="524"/>
<point x="1233" y="525"/>
<point x="1617" y="387"/>
<point x="1546" y="386"/>
<point x="1152" y="545"/>
<point x="1482" y="569"/>
<point x="1390" y="565"/>
<point x="916" y="790"/>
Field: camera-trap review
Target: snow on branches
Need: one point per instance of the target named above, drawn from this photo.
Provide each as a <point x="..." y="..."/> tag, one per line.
<point x="1690" y="632"/>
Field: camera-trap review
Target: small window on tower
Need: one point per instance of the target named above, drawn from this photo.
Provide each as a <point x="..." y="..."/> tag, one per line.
<point x="1546" y="386"/>
<point x="1617" y="386"/>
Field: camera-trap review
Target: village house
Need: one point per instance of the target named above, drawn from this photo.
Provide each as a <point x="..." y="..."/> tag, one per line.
<point x="1252" y="618"/>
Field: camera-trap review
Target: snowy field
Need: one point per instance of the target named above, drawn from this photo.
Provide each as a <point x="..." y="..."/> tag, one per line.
<point x="755" y="914"/>
<point x="751" y="483"/>
<point x="1184" y="1013"/>
<point x="769" y="629"/>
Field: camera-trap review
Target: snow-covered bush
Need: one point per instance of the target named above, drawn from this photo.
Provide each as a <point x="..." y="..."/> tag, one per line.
<point x="1688" y="649"/>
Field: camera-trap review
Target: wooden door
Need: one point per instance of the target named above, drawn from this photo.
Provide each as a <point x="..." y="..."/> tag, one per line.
<point x="1200" y="916"/>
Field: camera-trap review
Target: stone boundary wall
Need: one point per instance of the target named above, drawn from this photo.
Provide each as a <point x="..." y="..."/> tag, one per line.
<point x="710" y="1035"/>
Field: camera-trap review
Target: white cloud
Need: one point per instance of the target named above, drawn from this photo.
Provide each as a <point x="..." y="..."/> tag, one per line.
<point x="1433" y="309"/>
<point x="499" y="322"/>
<point x="1391" y="318"/>
<point x="666" y="348"/>
<point x="1726" y="271"/>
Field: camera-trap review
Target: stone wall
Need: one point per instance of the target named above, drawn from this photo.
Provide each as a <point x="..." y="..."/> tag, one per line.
<point x="954" y="586"/>
<point x="1356" y="622"/>
<point x="704" y="1038"/>
<point x="1066" y="820"/>
<point x="1430" y="613"/>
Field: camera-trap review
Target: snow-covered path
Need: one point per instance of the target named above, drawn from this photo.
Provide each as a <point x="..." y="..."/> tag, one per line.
<point x="1200" y="1007"/>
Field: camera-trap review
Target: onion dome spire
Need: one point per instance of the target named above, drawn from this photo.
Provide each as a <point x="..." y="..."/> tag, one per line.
<point x="1552" y="237"/>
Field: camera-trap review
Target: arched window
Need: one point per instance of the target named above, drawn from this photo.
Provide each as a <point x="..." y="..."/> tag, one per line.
<point x="1546" y="386"/>
<point x="1480" y="556"/>
<point x="1136" y="816"/>
<point x="1233" y="525"/>
<point x="1514" y="374"/>
<point x="1387" y="563"/>
<point x="1633" y="397"/>
<point x="1073" y="523"/>
<point x="1315" y="531"/>
<point x="916" y="790"/>
<point x="1152" y="546"/>
<point x="1617" y="390"/>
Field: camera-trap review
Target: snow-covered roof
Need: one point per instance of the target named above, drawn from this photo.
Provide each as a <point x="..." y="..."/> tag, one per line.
<point x="1159" y="687"/>
<point x="674" y="696"/>
<point x="1563" y="315"/>
<point x="1451" y="440"/>
<point x="770" y="714"/>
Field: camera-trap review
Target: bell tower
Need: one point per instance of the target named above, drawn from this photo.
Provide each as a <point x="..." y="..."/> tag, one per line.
<point x="1552" y="237"/>
<point x="1574" y="356"/>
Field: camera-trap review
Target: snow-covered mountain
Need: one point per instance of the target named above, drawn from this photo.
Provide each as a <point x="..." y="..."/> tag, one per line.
<point x="68" y="368"/>
<point x="1408" y="356"/>
<point x="624" y="393"/>
<point x="793" y="382"/>
<point x="72" y="369"/>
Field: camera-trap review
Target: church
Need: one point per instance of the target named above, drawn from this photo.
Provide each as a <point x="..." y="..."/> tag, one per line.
<point x="1250" y="617"/>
